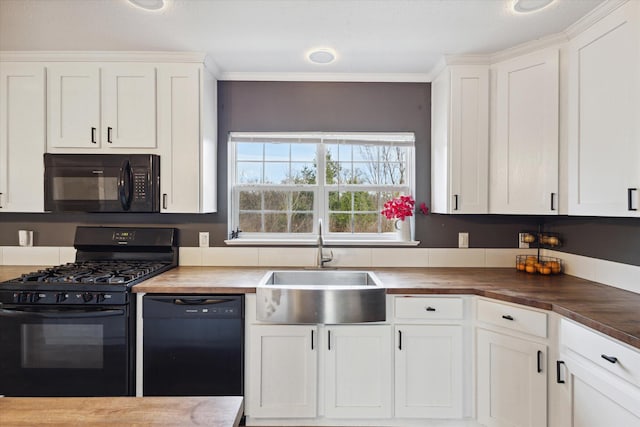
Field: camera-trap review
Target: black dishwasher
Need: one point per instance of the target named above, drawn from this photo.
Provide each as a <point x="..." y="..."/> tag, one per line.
<point x="193" y="345"/>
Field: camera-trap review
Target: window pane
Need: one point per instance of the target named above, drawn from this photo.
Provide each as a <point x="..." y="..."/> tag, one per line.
<point x="250" y="222"/>
<point x="303" y="152"/>
<point x="303" y="173"/>
<point x="276" y="152"/>
<point x="393" y="154"/>
<point x="275" y="222"/>
<point x="365" y="153"/>
<point x="365" y="173"/>
<point x="249" y="151"/>
<point x="388" y="225"/>
<point x="365" y="201"/>
<point x="302" y="201"/>
<point x="340" y="201"/>
<point x="332" y="169"/>
<point x="276" y="173"/>
<point x="249" y="173"/>
<point x="345" y="175"/>
<point x="250" y="201"/>
<point x="393" y="174"/>
<point x="340" y="223"/>
<point x="365" y="223"/>
<point x="276" y="200"/>
<point x="302" y="223"/>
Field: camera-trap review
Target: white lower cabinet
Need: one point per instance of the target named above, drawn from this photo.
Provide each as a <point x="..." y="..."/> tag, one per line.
<point x="428" y="371"/>
<point x="288" y="364"/>
<point x="283" y="377"/>
<point x="598" y="379"/>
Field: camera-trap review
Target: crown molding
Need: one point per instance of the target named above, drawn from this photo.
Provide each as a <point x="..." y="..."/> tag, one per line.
<point x="103" y="56"/>
<point x="602" y="10"/>
<point x="550" y="41"/>
<point x="328" y="77"/>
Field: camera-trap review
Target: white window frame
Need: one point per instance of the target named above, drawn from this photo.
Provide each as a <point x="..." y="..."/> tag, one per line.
<point x="321" y="189"/>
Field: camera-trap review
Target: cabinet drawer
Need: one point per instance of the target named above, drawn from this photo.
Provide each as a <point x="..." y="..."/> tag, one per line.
<point x="428" y="308"/>
<point x="517" y="318"/>
<point x="604" y="352"/>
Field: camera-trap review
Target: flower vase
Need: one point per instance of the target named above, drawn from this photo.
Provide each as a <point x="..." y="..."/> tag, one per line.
<point x="403" y="229"/>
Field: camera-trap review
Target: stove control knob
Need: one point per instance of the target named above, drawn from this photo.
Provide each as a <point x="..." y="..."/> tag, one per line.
<point x="35" y="297"/>
<point x="87" y="296"/>
<point x="99" y="298"/>
<point x="25" y="297"/>
<point x="61" y="297"/>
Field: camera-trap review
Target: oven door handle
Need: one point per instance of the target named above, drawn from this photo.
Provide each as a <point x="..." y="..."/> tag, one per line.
<point x="198" y="301"/>
<point x="29" y="312"/>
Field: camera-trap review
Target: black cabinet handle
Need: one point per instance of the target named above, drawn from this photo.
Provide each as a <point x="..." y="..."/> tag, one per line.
<point x="507" y="317"/>
<point x="399" y="340"/>
<point x="455" y="202"/>
<point x="430" y="309"/>
<point x="93" y="135"/>
<point x="0" y="200"/>
<point x="109" y="129"/>
<point x="558" y="371"/>
<point x="329" y="340"/>
<point x="609" y="358"/>
<point x="164" y="201"/>
<point x="312" y="339"/>
<point x="539" y="361"/>
<point x="553" y="196"/>
<point x="630" y="199"/>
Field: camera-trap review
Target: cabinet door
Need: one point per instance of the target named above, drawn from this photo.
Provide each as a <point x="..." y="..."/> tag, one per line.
<point x="604" y="116"/>
<point x="22" y="137"/>
<point x="179" y="137"/>
<point x="428" y="371"/>
<point x="129" y="105"/>
<point x="358" y="371"/>
<point x="511" y="381"/>
<point x="524" y="147"/>
<point x="460" y="140"/>
<point x="283" y="371"/>
<point x="73" y="105"/>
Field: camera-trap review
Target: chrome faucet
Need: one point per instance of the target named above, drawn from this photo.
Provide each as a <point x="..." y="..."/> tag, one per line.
<point x="321" y="259"/>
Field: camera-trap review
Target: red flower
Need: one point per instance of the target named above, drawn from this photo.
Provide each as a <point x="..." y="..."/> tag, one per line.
<point x="399" y="208"/>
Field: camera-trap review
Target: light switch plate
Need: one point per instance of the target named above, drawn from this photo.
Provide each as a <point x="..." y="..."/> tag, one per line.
<point x="203" y="239"/>
<point x="463" y="240"/>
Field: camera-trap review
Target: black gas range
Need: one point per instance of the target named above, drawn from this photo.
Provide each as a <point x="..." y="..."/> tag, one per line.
<point x="69" y="330"/>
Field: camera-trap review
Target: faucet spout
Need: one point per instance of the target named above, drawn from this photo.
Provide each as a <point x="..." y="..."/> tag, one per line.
<point x="321" y="259"/>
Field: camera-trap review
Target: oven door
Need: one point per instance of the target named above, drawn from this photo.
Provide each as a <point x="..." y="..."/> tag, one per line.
<point x="58" y="351"/>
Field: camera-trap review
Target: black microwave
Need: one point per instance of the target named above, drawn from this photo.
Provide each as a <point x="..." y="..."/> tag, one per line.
<point x="101" y="182"/>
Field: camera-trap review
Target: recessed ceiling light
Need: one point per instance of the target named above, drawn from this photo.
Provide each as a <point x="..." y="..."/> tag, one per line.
<point x="148" y="4"/>
<point x="322" y="56"/>
<point x="528" y="6"/>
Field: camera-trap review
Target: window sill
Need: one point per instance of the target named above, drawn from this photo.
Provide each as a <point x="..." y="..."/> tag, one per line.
<point x="314" y="242"/>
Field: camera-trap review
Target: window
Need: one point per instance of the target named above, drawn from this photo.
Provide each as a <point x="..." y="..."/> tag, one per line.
<point x="281" y="184"/>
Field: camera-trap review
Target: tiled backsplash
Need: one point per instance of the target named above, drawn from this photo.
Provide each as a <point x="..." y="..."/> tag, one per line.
<point x="615" y="274"/>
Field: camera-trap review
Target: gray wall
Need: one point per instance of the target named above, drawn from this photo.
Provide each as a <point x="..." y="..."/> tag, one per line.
<point x="323" y="106"/>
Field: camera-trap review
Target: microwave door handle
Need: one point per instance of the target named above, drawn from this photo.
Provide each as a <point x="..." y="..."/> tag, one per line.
<point x="17" y="312"/>
<point x="126" y="185"/>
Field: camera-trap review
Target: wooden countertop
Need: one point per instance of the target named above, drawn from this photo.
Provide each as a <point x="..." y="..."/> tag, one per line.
<point x="214" y="411"/>
<point x="604" y="308"/>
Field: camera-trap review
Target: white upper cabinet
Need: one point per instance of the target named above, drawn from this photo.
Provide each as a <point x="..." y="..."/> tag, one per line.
<point x="187" y="141"/>
<point x="524" y="140"/>
<point x="460" y="140"/>
<point x="93" y="106"/>
<point x="22" y="136"/>
<point x="604" y="116"/>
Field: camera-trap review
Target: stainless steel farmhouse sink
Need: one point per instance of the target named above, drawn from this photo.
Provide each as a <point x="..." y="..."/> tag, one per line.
<point x="320" y="296"/>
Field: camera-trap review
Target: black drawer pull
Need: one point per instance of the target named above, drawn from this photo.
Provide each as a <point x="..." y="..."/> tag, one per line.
<point x="630" y="199"/>
<point x="507" y="317"/>
<point x="312" y="339"/>
<point x="430" y="309"/>
<point x="539" y="361"/>
<point x="328" y="340"/>
<point x="455" y="199"/>
<point x="558" y="371"/>
<point x="93" y="136"/>
<point x="399" y="340"/>
<point x="609" y="358"/>
<point x="109" y="129"/>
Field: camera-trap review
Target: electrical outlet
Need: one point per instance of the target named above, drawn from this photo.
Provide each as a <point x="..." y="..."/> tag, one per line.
<point x="203" y="237"/>
<point x="463" y="240"/>
<point x="522" y="244"/>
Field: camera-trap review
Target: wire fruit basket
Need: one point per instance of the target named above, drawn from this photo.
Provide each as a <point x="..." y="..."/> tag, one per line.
<point x="544" y="265"/>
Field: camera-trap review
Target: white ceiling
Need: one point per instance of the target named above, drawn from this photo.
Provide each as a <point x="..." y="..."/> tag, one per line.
<point x="272" y="36"/>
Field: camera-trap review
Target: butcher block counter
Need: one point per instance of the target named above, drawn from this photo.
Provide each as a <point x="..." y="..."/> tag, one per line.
<point x="604" y="308"/>
<point x="214" y="411"/>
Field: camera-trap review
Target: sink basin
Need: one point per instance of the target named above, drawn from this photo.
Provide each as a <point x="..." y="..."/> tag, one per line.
<point x="320" y="296"/>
